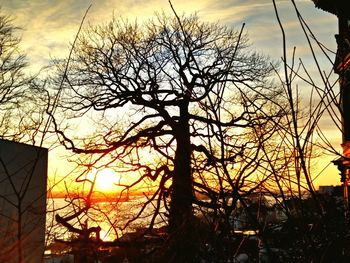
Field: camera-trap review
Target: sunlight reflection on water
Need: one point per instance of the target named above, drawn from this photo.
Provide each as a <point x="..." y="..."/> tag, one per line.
<point x="110" y="216"/>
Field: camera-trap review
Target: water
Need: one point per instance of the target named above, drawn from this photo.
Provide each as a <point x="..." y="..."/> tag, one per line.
<point x="111" y="216"/>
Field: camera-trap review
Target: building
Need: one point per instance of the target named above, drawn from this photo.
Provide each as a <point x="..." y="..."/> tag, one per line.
<point x="23" y="180"/>
<point x="340" y="8"/>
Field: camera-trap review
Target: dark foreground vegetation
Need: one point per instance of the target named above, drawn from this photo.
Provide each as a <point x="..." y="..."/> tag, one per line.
<point x="265" y="233"/>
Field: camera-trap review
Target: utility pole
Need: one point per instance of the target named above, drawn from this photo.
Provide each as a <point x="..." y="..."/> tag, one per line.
<point x="341" y="8"/>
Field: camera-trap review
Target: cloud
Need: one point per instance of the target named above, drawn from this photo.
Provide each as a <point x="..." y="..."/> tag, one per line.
<point x="49" y="24"/>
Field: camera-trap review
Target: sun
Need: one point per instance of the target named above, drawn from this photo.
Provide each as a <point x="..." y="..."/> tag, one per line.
<point x="106" y="180"/>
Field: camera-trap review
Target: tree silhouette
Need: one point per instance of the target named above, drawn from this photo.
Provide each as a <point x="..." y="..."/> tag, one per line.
<point x="23" y="167"/>
<point x="22" y="105"/>
<point x="182" y="84"/>
<point x="12" y="78"/>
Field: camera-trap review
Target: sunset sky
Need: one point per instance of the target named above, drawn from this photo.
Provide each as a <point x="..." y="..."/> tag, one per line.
<point x="50" y="25"/>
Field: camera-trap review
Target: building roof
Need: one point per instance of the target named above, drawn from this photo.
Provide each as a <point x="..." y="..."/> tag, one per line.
<point x="333" y="6"/>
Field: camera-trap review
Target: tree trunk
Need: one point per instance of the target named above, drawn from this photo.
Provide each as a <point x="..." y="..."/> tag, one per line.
<point x="183" y="239"/>
<point x="182" y="194"/>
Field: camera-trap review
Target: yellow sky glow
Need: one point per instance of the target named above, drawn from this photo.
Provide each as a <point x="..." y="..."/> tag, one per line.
<point x="49" y="26"/>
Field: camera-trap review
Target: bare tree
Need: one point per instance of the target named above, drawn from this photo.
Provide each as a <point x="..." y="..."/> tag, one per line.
<point x="310" y="97"/>
<point x="163" y="76"/>
<point x="12" y="63"/>
<point x="288" y="150"/>
<point x="12" y="77"/>
<point x="22" y="115"/>
<point x="22" y="104"/>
